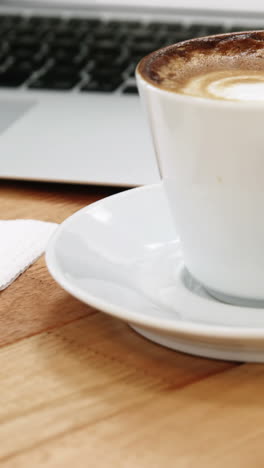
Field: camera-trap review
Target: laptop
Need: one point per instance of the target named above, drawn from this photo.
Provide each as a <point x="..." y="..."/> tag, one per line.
<point x="69" y="107"/>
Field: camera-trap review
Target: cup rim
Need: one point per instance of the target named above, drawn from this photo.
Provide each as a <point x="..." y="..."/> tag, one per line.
<point x="206" y="101"/>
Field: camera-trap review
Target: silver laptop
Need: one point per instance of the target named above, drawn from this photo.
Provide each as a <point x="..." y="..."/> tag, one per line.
<point x="69" y="108"/>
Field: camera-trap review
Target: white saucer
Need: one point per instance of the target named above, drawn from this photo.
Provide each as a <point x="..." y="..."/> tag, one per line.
<point x="122" y="255"/>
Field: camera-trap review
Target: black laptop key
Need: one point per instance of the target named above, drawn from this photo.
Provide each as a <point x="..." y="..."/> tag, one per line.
<point x="64" y="45"/>
<point x="169" y="40"/>
<point x="122" y="62"/>
<point x="25" y="29"/>
<point x="57" y="78"/>
<point x="61" y="52"/>
<point x="104" y="55"/>
<point x="118" y="67"/>
<point x="61" y="71"/>
<point x="136" y="57"/>
<point x="155" y="26"/>
<point x="14" y="19"/>
<point x="24" y="55"/>
<point x="6" y="29"/>
<point x="11" y="19"/>
<point x="141" y="35"/>
<point x="13" y="77"/>
<point x="3" y="57"/>
<point x="213" y="29"/>
<point x="106" y="35"/>
<point x="93" y="86"/>
<point x="198" y="34"/>
<point x="243" y="27"/>
<point x="85" y="23"/>
<point x="142" y="49"/>
<point x="56" y="84"/>
<point x="174" y="27"/>
<point x="106" y="75"/>
<point x="27" y="40"/>
<point x="106" y="47"/>
<point x="129" y="25"/>
<point x="102" y="61"/>
<point x="130" y="90"/>
<point x="66" y="35"/>
<point x="112" y="27"/>
<point x="29" y="46"/>
<point x="196" y="27"/>
<point x="39" y="60"/>
<point x="21" y="55"/>
<point x="63" y="57"/>
<point x="45" y="21"/>
<point x="24" y="67"/>
<point x="176" y="37"/>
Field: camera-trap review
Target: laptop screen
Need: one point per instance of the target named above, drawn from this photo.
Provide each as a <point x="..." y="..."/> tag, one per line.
<point x="224" y="5"/>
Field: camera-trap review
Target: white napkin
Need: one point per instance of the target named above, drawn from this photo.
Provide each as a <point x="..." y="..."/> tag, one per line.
<point x="21" y="243"/>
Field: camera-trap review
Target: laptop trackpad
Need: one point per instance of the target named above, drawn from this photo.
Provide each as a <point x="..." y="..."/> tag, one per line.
<point x="11" y="111"/>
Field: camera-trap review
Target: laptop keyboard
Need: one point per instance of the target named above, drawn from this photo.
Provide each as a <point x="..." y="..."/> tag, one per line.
<point x="50" y="53"/>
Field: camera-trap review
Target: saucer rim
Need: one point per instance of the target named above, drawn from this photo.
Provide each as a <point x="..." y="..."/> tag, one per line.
<point x="170" y="326"/>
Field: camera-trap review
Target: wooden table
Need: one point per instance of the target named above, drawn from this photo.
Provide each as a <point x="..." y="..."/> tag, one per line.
<point x="80" y="389"/>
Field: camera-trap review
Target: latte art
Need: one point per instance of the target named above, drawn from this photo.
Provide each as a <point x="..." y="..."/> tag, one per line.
<point x="223" y="67"/>
<point x="240" y="85"/>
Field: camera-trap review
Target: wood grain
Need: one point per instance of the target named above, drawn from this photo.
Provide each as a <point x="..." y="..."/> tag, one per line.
<point x="48" y="202"/>
<point x="218" y="422"/>
<point x="83" y="373"/>
<point x="82" y="389"/>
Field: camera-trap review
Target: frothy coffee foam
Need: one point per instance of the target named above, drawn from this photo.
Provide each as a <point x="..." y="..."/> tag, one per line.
<point x="242" y="85"/>
<point x="228" y="67"/>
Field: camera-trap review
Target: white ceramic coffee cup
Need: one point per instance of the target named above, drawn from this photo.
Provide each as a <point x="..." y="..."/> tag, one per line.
<point x="211" y="157"/>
